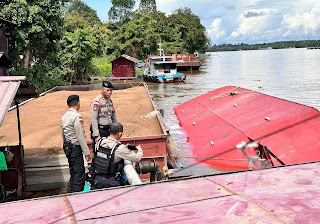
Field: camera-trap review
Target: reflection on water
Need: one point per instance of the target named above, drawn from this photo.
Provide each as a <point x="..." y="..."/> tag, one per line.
<point x="291" y="74"/>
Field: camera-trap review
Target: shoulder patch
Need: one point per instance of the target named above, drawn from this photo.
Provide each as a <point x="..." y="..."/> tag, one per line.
<point x="81" y="122"/>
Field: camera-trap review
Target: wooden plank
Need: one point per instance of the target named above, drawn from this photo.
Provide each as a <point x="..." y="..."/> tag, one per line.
<point x="50" y="186"/>
<point x="47" y="178"/>
<point x="46" y="161"/>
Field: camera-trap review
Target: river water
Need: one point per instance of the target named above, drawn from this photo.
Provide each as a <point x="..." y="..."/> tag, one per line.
<point x="291" y="74"/>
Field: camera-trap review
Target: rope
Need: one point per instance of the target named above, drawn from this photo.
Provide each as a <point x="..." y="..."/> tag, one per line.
<point x="250" y="91"/>
<point x="214" y="97"/>
<point x="189" y="157"/>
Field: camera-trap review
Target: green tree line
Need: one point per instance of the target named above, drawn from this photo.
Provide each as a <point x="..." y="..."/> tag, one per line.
<point x="275" y="45"/>
<point x="60" y="42"/>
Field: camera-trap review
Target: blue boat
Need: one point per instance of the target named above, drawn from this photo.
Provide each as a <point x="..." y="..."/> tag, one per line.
<point x="162" y="69"/>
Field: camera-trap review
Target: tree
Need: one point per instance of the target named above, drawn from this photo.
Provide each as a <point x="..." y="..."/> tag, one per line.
<point x="120" y="10"/>
<point x="147" y="6"/>
<point x="39" y="29"/>
<point x="193" y="33"/>
<point x="78" y="49"/>
<point x="84" y="10"/>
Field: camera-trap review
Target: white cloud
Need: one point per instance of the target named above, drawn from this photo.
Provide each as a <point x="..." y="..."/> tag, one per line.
<point x="304" y="25"/>
<point x="256" y="24"/>
<point x="249" y="21"/>
<point x="216" y="30"/>
<point x="271" y="24"/>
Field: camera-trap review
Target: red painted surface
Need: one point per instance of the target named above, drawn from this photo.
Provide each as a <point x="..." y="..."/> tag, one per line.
<point x="13" y="178"/>
<point x="154" y="147"/>
<point x="278" y="195"/>
<point x="184" y="57"/>
<point x="124" y="66"/>
<point x="217" y="121"/>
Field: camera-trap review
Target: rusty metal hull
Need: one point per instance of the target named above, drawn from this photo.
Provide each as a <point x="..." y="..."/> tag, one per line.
<point x="276" y="195"/>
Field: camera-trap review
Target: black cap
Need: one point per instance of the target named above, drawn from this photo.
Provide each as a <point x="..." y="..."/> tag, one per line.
<point x="73" y="97"/>
<point x="107" y="84"/>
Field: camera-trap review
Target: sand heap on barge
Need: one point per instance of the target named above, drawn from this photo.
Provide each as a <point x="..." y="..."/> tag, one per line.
<point x="40" y="119"/>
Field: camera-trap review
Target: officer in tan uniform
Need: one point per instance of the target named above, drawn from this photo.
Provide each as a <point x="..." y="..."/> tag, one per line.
<point x="74" y="144"/>
<point x="109" y="156"/>
<point x="103" y="113"/>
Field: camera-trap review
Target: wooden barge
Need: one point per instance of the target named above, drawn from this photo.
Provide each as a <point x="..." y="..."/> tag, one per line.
<point x="40" y="164"/>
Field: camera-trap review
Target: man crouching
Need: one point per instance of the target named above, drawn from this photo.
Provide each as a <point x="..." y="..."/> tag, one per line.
<point x="108" y="158"/>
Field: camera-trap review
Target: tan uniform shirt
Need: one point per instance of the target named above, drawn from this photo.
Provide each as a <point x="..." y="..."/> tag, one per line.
<point x="102" y="112"/>
<point x="72" y="130"/>
<point x="122" y="151"/>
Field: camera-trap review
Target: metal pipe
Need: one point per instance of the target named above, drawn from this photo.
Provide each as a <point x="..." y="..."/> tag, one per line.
<point x="19" y="126"/>
<point x="131" y="173"/>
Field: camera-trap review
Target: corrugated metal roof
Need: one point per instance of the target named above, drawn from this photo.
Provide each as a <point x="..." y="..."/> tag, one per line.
<point x="9" y="89"/>
<point x="128" y="58"/>
<point x="287" y="194"/>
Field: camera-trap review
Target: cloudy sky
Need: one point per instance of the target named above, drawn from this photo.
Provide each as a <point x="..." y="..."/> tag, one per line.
<point x="244" y="21"/>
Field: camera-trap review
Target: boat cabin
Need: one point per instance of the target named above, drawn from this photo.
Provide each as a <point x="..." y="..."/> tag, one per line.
<point x="162" y="69"/>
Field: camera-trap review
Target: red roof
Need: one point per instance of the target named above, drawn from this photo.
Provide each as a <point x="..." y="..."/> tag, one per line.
<point x="128" y="58"/>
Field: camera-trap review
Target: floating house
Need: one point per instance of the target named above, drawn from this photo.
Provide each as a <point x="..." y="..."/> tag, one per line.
<point x="124" y="66"/>
<point x="186" y="61"/>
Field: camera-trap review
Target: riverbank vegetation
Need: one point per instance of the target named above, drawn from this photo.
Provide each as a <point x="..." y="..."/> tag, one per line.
<point x="61" y="42"/>
<point x="276" y="45"/>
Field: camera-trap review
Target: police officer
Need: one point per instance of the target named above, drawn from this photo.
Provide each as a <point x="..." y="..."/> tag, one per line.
<point x="103" y="113"/>
<point x="108" y="160"/>
<point x="74" y="144"/>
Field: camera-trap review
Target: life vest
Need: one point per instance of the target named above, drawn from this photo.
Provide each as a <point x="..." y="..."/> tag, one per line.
<point x="103" y="160"/>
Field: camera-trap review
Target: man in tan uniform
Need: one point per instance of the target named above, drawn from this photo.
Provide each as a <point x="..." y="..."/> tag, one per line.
<point x="74" y="144"/>
<point x="109" y="156"/>
<point x="102" y="112"/>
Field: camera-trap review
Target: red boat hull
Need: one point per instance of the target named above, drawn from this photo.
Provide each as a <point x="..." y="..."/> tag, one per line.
<point x="287" y="132"/>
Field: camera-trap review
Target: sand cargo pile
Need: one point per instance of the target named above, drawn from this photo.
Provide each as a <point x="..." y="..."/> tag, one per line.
<point x="46" y="166"/>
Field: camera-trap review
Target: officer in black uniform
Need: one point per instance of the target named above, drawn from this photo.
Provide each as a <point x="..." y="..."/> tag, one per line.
<point x="74" y="144"/>
<point x="109" y="156"/>
<point x="102" y="113"/>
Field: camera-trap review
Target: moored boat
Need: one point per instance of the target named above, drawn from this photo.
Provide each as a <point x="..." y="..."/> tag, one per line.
<point x="162" y="69"/>
<point x="186" y="61"/>
<point x="39" y="163"/>
<point x="222" y="124"/>
<point x="288" y="194"/>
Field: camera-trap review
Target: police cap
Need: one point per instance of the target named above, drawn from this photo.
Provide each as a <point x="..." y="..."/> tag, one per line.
<point x="72" y="98"/>
<point x="107" y="84"/>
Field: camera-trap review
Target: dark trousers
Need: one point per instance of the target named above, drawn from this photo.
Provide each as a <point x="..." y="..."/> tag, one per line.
<point x="103" y="131"/>
<point x="77" y="172"/>
<point x="104" y="181"/>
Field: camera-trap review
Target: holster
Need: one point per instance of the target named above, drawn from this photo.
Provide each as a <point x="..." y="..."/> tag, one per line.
<point x="67" y="147"/>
